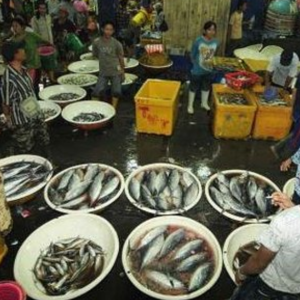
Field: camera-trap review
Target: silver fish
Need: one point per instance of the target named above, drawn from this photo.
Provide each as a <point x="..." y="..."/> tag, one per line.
<point x="199" y="277"/>
<point x="174" y="179"/>
<point x="75" y="202"/>
<point x="147" y="197"/>
<point x="135" y="188"/>
<point x="150" y="236"/>
<point x="188" y="249"/>
<point x="219" y="198"/>
<point x="166" y="282"/>
<point x="110" y="187"/>
<point x="160" y="182"/>
<point x="192" y="261"/>
<point x="191" y="194"/>
<point x="177" y="197"/>
<point x="222" y="179"/>
<point x="96" y="188"/>
<point x="187" y="179"/>
<point x="74" y="181"/>
<point x="64" y="181"/>
<point x="172" y="241"/>
<point x="15" y="171"/>
<point x="151" y="182"/>
<point x="91" y="172"/>
<point x="153" y="251"/>
<point x="260" y="199"/>
<point x="252" y="188"/>
<point x="77" y="191"/>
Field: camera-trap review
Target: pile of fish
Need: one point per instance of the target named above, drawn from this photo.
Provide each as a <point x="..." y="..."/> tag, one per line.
<point x="21" y="177"/>
<point x="79" y="80"/>
<point x="274" y="102"/>
<point x="89" y="117"/>
<point x="49" y="113"/>
<point x="232" y="99"/>
<point x="64" y="97"/>
<point x="164" y="189"/>
<point x="172" y="260"/>
<point x="68" y="265"/>
<point x="244" y="253"/>
<point x="87" y="69"/>
<point x="243" y="195"/>
<point x="84" y="188"/>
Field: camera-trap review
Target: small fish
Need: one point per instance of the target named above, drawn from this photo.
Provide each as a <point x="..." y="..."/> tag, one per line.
<point x="64" y="181"/>
<point x="77" y="191"/>
<point x="135" y="189"/>
<point x="191" y="194"/>
<point x="96" y="188"/>
<point x="160" y="182"/>
<point x="174" y="179"/>
<point x="110" y="187"/>
<point x="199" y="277"/>
<point x="177" y="197"/>
<point x="260" y="200"/>
<point x="91" y="172"/>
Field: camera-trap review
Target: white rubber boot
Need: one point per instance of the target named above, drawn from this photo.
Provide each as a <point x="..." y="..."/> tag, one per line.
<point x="204" y="100"/>
<point x="190" y="108"/>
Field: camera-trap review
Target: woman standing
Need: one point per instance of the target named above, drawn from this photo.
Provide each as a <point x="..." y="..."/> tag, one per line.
<point x="32" y="41"/>
<point x="204" y="49"/>
<point x="41" y="23"/>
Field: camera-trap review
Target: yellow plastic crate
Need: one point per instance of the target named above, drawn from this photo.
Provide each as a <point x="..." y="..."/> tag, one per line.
<point x="232" y="121"/>
<point x="156" y="105"/>
<point x="272" y="123"/>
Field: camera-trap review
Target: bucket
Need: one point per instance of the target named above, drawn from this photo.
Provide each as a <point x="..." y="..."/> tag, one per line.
<point x="10" y="290"/>
<point x="48" y="57"/>
<point x="140" y="18"/>
<point x="73" y="43"/>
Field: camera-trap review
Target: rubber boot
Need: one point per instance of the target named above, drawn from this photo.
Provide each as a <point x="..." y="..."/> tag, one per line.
<point x="115" y="102"/>
<point x="190" y="108"/>
<point x="204" y="100"/>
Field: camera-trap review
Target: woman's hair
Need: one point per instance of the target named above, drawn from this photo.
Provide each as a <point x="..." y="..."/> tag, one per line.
<point x="20" y="20"/>
<point x="37" y="14"/>
<point x="9" y="50"/>
<point x="241" y="3"/>
<point x="209" y="24"/>
<point x="104" y="24"/>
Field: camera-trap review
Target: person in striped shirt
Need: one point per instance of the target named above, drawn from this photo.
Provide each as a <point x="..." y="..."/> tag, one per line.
<point x="20" y="107"/>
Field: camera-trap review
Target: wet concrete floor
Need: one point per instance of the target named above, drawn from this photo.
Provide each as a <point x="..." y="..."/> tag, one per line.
<point x="192" y="145"/>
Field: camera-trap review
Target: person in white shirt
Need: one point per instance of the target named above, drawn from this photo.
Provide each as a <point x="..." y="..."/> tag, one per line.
<point x="273" y="273"/>
<point x="282" y="70"/>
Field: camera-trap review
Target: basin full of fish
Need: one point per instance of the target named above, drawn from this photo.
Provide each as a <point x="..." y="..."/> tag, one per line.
<point x="243" y="254"/>
<point x="242" y="196"/>
<point x="68" y="265"/>
<point x="163" y="189"/>
<point x="64" y="97"/>
<point x="232" y="99"/>
<point x="88" y="117"/>
<point x="24" y="178"/>
<point x="278" y="101"/>
<point x="84" y="188"/>
<point x="171" y="260"/>
<point x="82" y="80"/>
<point x="49" y="113"/>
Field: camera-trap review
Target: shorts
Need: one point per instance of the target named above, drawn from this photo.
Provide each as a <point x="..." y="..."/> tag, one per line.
<point x="25" y="137"/>
<point x="201" y="82"/>
<point x="103" y="84"/>
<point x="254" y="288"/>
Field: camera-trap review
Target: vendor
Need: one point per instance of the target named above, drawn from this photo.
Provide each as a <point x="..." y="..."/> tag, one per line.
<point x="32" y="42"/>
<point x="20" y="107"/>
<point x="203" y="50"/>
<point x="110" y="54"/>
<point x="282" y="70"/>
<point x="274" y="271"/>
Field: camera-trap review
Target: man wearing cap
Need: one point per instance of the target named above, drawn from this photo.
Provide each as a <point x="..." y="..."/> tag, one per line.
<point x="20" y="107"/>
<point x="282" y="70"/>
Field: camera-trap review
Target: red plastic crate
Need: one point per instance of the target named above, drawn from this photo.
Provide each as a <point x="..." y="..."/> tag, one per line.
<point x="241" y="80"/>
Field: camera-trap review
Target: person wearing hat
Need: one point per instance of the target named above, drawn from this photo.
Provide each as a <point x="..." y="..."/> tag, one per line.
<point x="20" y="106"/>
<point x="282" y="70"/>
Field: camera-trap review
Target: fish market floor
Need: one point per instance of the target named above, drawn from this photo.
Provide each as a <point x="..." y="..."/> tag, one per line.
<point x="192" y="145"/>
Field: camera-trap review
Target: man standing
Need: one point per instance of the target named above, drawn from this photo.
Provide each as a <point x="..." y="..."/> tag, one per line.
<point x="282" y="70"/>
<point x="273" y="273"/>
<point x="20" y="107"/>
<point x="235" y="29"/>
<point x="111" y="61"/>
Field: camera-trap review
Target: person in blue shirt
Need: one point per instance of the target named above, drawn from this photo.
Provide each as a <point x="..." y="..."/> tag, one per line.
<point x="203" y="50"/>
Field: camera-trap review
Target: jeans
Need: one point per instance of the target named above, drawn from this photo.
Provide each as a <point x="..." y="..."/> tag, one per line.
<point x="255" y="289"/>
